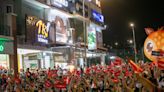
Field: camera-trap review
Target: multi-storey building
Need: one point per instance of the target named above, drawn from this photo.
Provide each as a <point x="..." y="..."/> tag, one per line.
<point x="51" y="32"/>
<point x="7" y="34"/>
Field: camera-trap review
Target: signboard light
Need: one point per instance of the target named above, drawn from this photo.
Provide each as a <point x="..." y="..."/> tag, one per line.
<point x="60" y="3"/>
<point x="1" y="47"/>
<point x="97" y="16"/>
<point x="42" y="32"/>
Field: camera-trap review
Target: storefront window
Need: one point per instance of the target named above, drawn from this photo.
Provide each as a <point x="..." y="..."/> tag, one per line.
<point x="4" y="61"/>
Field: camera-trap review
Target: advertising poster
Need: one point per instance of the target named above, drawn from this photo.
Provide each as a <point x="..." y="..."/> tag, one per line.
<point x="99" y="39"/>
<point x="63" y="34"/>
<point x="39" y="31"/>
<point x="92" y="38"/>
<point x="79" y="30"/>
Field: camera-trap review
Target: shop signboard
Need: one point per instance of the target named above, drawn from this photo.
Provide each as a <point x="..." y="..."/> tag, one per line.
<point x="6" y="47"/>
<point x="58" y="58"/>
<point x="39" y="31"/>
<point x="1" y="47"/>
<point x="63" y="34"/>
<point x="99" y="39"/>
<point x="66" y="5"/>
<point x="98" y="3"/>
<point x="60" y="3"/>
<point x="97" y="16"/>
<point x="91" y="38"/>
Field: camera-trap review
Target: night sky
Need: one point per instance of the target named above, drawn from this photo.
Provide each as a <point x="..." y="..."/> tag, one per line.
<point x="119" y="13"/>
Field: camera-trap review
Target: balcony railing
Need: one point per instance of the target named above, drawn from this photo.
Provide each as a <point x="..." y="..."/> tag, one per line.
<point x="4" y="30"/>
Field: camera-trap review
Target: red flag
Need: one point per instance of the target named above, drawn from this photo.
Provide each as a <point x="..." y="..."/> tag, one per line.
<point x="17" y="80"/>
<point x="47" y="84"/>
<point x="87" y="71"/>
<point x="160" y="64"/>
<point x="115" y="80"/>
<point x="60" y="86"/>
<point x="117" y="73"/>
<point x="135" y="67"/>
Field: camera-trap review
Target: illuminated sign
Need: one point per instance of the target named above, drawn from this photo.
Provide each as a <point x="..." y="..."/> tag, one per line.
<point x="38" y="30"/>
<point x="1" y="48"/>
<point x="91" y="38"/>
<point x="42" y="31"/>
<point x="98" y="3"/>
<point x="61" y="32"/>
<point x="97" y="16"/>
<point x="6" y="47"/>
<point x="99" y="39"/>
<point x="60" y="3"/>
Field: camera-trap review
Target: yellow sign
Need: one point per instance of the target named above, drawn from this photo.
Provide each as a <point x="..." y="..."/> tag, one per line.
<point x="42" y="31"/>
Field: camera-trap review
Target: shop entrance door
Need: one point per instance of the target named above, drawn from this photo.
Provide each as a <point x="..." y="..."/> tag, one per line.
<point x="4" y="61"/>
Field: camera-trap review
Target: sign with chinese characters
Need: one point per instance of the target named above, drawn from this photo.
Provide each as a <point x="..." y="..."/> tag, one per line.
<point x="60" y="3"/>
<point x="39" y="31"/>
<point x="97" y="16"/>
<point x="91" y="38"/>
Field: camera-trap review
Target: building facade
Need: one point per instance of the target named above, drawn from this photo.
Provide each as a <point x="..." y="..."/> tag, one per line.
<point x="55" y="32"/>
<point x="7" y="35"/>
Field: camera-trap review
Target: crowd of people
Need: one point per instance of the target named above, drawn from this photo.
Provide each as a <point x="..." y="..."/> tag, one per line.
<point x="116" y="77"/>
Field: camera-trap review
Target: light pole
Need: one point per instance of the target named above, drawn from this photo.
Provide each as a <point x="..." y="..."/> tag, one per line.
<point x="135" y="54"/>
<point x="84" y="30"/>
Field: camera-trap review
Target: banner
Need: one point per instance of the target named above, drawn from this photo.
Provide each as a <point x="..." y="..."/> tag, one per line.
<point x="99" y="39"/>
<point x="61" y="31"/>
<point x="91" y="38"/>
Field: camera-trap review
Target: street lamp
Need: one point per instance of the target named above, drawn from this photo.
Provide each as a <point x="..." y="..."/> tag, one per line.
<point x="135" y="54"/>
<point x="130" y="41"/>
<point x="116" y="43"/>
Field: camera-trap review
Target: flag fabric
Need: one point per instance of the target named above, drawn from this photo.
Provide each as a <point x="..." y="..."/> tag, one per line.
<point x="160" y="64"/>
<point x="47" y="84"/>
<point x="117" y="62"/>
<point x="135" y="67"/>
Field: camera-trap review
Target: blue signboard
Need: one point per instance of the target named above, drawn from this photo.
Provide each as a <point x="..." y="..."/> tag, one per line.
<point x="97" y="16"/>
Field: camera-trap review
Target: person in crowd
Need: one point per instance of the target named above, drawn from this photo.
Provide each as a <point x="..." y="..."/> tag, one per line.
<point x="96" y="78"/>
